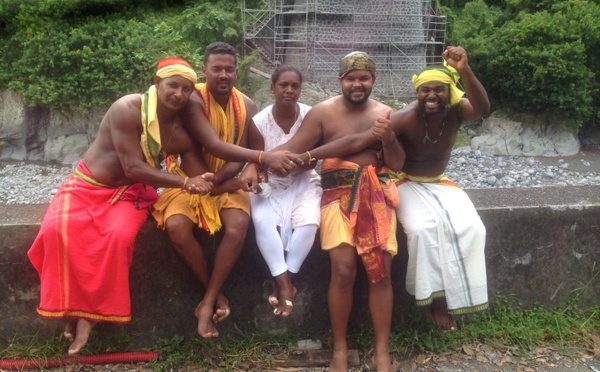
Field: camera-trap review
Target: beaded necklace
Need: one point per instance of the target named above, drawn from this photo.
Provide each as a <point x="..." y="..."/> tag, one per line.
<point x="427" y="138"/>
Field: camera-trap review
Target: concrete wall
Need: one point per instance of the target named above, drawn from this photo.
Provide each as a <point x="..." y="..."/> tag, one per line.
<point x="542" y="244"/>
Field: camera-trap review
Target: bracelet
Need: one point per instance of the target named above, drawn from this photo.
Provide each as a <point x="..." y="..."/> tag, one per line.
<point x="310" y="158"/>
<point x="391" y="142"/>
<point x="185" y="179"/>
<point x="260" y="156"/>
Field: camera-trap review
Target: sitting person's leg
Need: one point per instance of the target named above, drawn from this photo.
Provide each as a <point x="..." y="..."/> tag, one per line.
<point x="235" y="222"/>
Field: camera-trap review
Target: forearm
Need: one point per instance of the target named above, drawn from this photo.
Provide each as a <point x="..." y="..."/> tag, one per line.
<point x="344" y="146"/>
<point x="227" y="172"/>
<point x="394" y="155"/>
<point x="475" y="92"/>
<point x="232" y="153"/>
<point x="143" y="173"/>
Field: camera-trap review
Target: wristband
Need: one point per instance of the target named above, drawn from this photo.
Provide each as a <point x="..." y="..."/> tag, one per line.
<point x="310" y="158"/>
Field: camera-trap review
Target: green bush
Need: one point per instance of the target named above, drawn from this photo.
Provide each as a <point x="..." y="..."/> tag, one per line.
<point x="535" y="55"/>
<point x="73" y="55"/>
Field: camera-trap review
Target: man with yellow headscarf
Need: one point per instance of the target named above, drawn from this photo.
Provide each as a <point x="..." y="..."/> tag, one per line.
<point x="446" y="238"/>
<point x="223" y="136"/>
<point x="84" y="248"/>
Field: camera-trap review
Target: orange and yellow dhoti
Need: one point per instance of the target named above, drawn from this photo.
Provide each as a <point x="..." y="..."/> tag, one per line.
<point x="358" y="209"/>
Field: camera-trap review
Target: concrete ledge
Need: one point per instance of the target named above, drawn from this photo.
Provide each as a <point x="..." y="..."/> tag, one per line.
<point x="542" y="247"/>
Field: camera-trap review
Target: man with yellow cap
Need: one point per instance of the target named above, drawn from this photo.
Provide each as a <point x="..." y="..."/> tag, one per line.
<point x="446" y="238"/>
<point x="84" y="248"/>
<point x="358" y="222"/>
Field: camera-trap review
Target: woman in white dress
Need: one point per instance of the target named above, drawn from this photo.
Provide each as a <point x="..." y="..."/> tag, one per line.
<point x="286" y="211"/>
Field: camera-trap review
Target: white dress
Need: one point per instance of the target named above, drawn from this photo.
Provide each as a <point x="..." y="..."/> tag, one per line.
<point x="295" y="200"/>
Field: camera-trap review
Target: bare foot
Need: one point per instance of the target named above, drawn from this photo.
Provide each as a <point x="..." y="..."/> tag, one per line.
<point x="339" y="361"/>
<point x="84" y="327"/>
<point x="284" y="302"/>
<point x="222" y="309"/>
<point x="428" y="311"/>
<point x="70" y="330"/>
<point x="383" y="362"/>
<point x="206" y="325"/>
<point x="441" y="316"/>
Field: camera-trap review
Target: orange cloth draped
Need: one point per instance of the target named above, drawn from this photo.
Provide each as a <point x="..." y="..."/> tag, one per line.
<point x="84" y="249"/>
<point x="365" y="204"/>
<point x="229" y="123"/>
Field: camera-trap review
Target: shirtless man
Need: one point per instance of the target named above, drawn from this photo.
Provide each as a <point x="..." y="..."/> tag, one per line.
<point x="224" y="136"/>
<point x="446" y="238"/>
<point x="351" y="232"/>
<point x="84" y="249"/>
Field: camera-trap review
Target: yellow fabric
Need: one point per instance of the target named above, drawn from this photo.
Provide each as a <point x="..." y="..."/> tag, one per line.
<point x="229" y="123"/>
<point x="450" y="77"/>
<point x="401" y="177"/>
<point x="181" y="70"/>
<point x="176" y="201"/>
<point x="150" y="138"/>
<point x="201" y="209"/>
<point x="335" y="230"/>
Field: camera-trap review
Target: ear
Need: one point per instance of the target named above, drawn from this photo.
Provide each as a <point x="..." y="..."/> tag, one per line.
<point x="204" y="70"/>
<point x="272" y="89"/>
<point x="156" y="80"/>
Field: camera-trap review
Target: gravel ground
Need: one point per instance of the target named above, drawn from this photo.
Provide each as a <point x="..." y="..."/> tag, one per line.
<point x="36" y="183"/>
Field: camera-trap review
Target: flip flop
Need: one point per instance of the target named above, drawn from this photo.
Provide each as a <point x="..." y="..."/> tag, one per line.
<point x="288" y="303"/>
<point x="273" y="301"/>
<point x="224" y="316"/>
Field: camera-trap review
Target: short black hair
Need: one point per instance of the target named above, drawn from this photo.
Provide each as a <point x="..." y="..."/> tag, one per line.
<point x="284" y="68"/>
<point x="219" y="47"/>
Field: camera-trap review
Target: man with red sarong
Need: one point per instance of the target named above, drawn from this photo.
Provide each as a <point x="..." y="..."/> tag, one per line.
<point x="358" y="218"/>
<point x="84" y="249"/>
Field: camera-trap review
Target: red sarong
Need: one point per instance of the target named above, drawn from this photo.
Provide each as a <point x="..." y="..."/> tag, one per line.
<point x="365" y="204"/>
<point x="84" y="250"/>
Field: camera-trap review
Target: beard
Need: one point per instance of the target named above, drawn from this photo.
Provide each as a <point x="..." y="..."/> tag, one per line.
<point x="357" y="101"/>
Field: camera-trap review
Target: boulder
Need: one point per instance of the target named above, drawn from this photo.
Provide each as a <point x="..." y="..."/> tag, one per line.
<point x="525" y="135"/>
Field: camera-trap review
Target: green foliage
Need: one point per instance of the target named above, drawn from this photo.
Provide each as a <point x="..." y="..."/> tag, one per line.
<point x="245" y="81"/>
<point x="535" y="56"/>
<point x="77" y="54"/>
<point x="210" y="22"/>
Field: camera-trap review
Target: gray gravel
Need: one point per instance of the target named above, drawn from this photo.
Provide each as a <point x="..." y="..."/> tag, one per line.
<point x="35" y="183"/>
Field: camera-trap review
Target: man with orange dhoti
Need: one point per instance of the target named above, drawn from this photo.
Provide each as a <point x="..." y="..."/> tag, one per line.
<point x="358" y="220"/>
<point x="84" y="248"/>
<point x="229" y="113"/>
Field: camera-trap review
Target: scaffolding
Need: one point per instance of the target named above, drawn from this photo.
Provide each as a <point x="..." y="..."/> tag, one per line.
<point x="402" y="37"/>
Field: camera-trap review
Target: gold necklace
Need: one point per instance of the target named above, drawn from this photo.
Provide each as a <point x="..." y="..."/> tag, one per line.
<point x="163" y="148"/>
<point x="427" y="138"/>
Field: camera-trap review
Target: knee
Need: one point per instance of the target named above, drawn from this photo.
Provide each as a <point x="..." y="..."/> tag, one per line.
<point x="178" y="229"/>
<point x="343" y="275"/>
<point x="236" y="226"/>
<point x="478" y="228"/>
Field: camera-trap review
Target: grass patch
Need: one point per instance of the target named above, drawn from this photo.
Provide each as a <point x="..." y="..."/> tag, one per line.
<point x="508" y="325"/>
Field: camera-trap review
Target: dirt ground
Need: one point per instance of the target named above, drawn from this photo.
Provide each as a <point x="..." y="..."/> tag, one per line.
<point x="468" y="358"/>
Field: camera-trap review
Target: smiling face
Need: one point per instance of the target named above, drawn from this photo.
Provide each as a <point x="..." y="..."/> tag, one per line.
<point x="174" y="92"/>
<point x="357" y="86"/>
<point x="433" y="97"/>
<point x="287" y="89"/>
<point x="220" y="72"/>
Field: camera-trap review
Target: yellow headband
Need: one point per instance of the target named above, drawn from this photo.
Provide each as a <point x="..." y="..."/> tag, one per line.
<point x="181" y="70"/>
<point x="449" y="76"/>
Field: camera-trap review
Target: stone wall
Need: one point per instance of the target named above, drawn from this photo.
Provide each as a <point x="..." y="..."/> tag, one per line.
<point x="40" y="134"/>
<point x="541" y="248"/>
